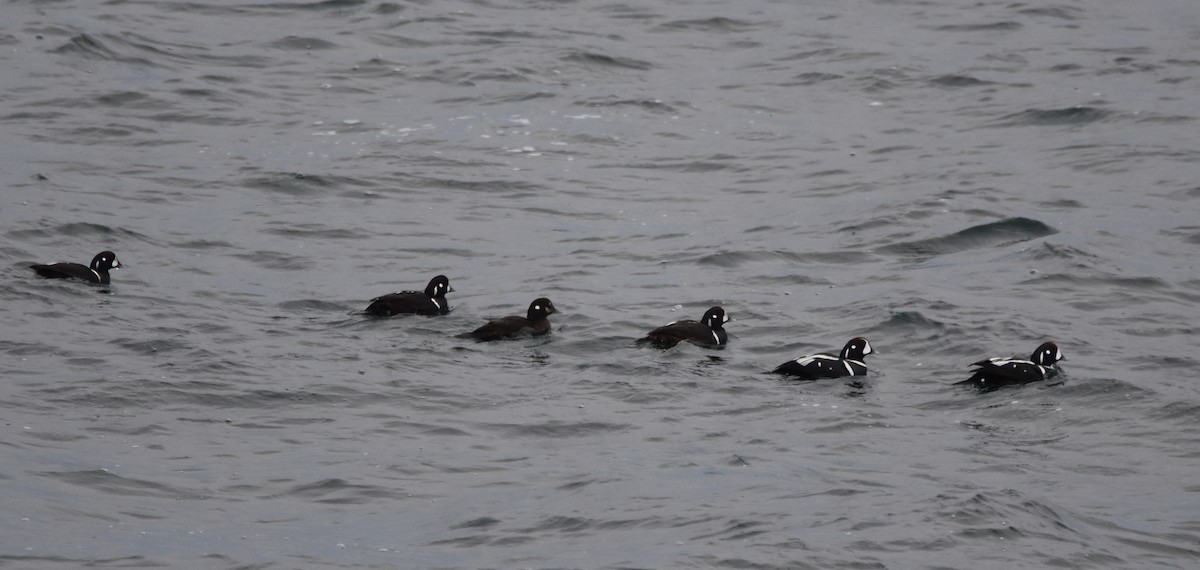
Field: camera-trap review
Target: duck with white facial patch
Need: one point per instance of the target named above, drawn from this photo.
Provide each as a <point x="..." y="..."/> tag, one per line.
<point x="431" y="301"/>
<point x="97" y="272"/>
<point x="994" y="373"/>
<point x="815" y="366"/>
<point x="534" y="323"/>
<point x="709" y="331"/>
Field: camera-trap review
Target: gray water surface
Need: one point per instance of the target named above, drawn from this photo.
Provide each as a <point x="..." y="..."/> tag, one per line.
<point x="951" y="180"/>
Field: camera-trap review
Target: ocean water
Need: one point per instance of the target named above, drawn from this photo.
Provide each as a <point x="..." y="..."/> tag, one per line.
<point x="951" y="180"/>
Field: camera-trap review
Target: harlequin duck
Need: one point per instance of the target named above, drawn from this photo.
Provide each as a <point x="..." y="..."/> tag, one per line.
<point x="533" y="323"/>
<point x="96" y="273"/>
<point x="848" y="363"/>
<point x="430" y="302"/>
<point x="708" y="331"/>
<point x="996" y="372"/>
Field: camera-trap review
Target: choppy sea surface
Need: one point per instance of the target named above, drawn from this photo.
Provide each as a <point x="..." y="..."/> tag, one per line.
<point x="951" y="180"/>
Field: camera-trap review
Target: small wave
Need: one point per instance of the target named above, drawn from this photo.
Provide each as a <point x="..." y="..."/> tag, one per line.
<point x="387" y="8"/>
<point x="316" y="231"/>
<point x="717" y="24"/>
<point x="326" y="5"/>
<point x="338" y="492"/>
<point x="739" y="258"/>
<point x="989" y="27"/>
<point x="904" y="323"/>
<point x="301" y="43"/>
<point x="276" y="8"/>
<point x="1060" y="12"/>
<point x="652" y="105"/>
<point x="502" y="75"/>
<point x="1186" y="413"/>
<point x="299" y="184"/>
<point x="100" y="235"/>
<point x="1079" y="115"/>
<point x="1108" y="282"/>
<point x="501" y="187"/>
<point x="891" y="149"/>
<point x="1063" y="204"/>
<point x="827" y="173"/>
<point x="276" y="260"/>
<point x="75" y="229"/>
<point x="812" y="78"/>
<point x="481" y="522"/>
<point x="561" y="524"/>
<point x="994" y="234"/>
<point x="152" y="346"/>
<point x="518" y="97"/>
<point x="736" y="530"/>
<point x="15" y="348"/>
<point x="203" y="244"/>
<point x="209" y="95"/>
<point x="555" y="429"/>
<point x="89" y="47"/>
<point x="847" y="426"/>
<point x="394" y="41"/>
<point x="1046" y="251"/>
<point x="1126" y="66"/>
<point x="1165" y="119"/>
<point x="957" y="81"/>
<point x="127" y="99"/>
<point x="1001" y="514"/>
<point x="312" y="306"/>
<point x="42" y="116"/>
<point x="113" y="484"/>
<point x="599" y="61"/>
<point x="876" y="85"/>
<point x="208" y="362"/>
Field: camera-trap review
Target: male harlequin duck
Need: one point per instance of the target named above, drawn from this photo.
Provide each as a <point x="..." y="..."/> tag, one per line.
<point x="848" y="363"/>
<point x="996" y="372"/>
<point x="96" y="273"/>
<point x="708" y="331"/>
<point x="533" y="323"/>
<point x="430" y="302"/>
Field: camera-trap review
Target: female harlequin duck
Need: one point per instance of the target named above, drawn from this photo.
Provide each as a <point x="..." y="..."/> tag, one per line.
<point x="96" y="273"/>
<point x="533" y="323"/>
<point x="996" y="372"/>
<point x="430" y="302"/>
<point x="848" y="363"/>
<point x="708" y="331"/>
